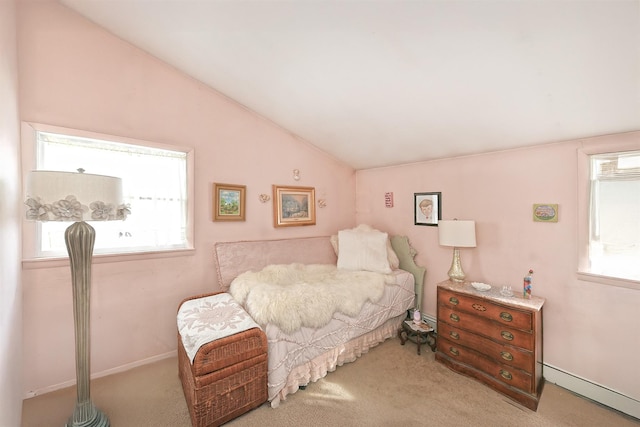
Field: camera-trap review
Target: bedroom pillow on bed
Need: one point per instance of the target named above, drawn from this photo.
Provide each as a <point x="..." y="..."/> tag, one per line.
<point x="394" y="262"/>
<point x="363" y="250"/>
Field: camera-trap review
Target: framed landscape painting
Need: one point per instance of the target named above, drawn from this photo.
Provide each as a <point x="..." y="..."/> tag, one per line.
<point x="293" y="206"/>
<point x="228" y="202"/>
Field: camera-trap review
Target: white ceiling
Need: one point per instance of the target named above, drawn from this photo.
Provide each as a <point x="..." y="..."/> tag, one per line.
<point x="384" y="82"/>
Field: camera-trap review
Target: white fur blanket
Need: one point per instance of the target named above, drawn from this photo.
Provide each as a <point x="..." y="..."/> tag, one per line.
<point x="295" y="295"/>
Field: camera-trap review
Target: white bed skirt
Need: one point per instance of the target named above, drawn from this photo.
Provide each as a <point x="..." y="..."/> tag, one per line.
<point x="328" y="362"/>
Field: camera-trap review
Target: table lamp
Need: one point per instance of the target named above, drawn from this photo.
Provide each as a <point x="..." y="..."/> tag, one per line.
<point x="76" y="197"/>
<point x="459" y="234"/>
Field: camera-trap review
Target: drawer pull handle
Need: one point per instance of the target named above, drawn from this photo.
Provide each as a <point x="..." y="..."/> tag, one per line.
<point x="505" y="374"/>
<point x="507" y="335"/>
<point x="506" y="355"/>
<point x="454" y="317"/>
<point x="454" y="301"/>
<point x="454" y="335"/>
<point x="507" y="317"/>
<point x="454" y="351"/>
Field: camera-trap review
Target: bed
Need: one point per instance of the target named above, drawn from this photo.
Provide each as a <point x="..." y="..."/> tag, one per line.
<point x="302" y="355"/>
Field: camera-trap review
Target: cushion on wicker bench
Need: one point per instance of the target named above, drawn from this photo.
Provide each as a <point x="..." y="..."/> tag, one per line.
<point x="202" y="320"/>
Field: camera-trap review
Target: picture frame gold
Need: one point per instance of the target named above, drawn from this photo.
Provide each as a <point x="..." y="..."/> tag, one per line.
<point x="545" y="212"/>
<point x="293" y="206"/>
<point x="229" y="202"/>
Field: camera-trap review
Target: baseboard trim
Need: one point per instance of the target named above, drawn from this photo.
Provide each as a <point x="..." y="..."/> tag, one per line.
<point x="104" y="373"/>
<point x="592" y="391"/>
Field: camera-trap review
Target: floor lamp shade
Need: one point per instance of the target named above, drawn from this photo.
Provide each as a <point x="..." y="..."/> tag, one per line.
<point x="76" y="197"/>
<point x="71" y="196"/>
<point x="458" y="234"/>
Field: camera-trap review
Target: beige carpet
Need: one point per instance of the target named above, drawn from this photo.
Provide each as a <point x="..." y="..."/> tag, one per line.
<point x="389" y="386"/>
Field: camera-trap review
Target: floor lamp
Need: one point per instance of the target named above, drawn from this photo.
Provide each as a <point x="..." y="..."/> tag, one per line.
<point x="459" y="234"/>
<point x="76" y="197"/>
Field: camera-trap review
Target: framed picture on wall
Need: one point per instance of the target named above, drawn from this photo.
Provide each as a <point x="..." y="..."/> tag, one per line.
<point x="545" y="212"/>
<point x="427" y="208"/>
<point x="293" y="206"/>
<point x="228" y="202"/>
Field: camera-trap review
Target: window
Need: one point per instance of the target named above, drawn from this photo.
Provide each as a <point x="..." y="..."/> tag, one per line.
<point x="156" y="185"/>
<point x="614" y="215"/>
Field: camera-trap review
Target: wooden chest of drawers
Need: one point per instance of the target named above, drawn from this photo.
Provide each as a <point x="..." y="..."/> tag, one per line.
<point x="495" y="339"/>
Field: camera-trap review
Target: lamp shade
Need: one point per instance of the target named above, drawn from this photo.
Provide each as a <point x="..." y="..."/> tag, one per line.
<point x="456" y="233"/>
<point x="71" y="196"/>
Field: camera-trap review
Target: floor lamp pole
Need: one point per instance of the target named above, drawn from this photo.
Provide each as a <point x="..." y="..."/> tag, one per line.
<point x="79" y="238"/>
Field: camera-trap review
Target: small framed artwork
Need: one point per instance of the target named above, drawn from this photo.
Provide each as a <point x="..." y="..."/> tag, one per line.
<point x="293" y="206"/>
<point x="545" y="212"/>
<point x="388" y="200"/>
<point x="228" y="202"/>
<point x="427" y="208"/>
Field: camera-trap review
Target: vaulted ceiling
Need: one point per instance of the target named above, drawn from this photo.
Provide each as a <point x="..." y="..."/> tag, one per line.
<point x="385" y="82"/>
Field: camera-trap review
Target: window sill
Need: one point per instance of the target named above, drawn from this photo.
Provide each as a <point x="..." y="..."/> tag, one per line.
<point x="608" y="280"/>
<point x="105" y="259"/>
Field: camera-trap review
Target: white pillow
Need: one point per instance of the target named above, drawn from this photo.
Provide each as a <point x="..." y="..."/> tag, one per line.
<point x="363" y="250"/>
<point x="392" y="257"/>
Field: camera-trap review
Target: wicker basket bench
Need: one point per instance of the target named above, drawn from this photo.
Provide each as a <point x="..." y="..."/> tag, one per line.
<point x="227" y="378"/>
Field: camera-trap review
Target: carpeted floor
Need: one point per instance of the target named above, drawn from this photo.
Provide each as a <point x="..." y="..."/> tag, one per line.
<point x="389" y="386"/>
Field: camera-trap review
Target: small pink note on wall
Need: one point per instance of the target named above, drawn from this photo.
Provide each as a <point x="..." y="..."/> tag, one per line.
<point x="388" y="200"/>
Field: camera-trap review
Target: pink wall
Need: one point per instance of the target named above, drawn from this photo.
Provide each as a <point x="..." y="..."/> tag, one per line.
<point x="10" y="214"/>
<point x="590" y="329"/>
<point x="74" y="74"/>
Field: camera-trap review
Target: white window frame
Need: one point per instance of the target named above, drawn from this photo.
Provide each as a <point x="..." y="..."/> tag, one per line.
<point x="31" y="228"/>
<point x="600" y="145"/>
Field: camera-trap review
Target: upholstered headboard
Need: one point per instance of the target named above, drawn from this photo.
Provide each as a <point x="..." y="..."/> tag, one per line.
<point x="405" y="253"/>
<point x="234" y="258"/>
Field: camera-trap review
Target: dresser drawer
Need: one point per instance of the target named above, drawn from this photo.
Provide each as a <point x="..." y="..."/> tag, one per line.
<point x="501" y="353"/>
<point x="504" y="373"/>
<point x="509" y="316"/>
<point x="490" y="329"/>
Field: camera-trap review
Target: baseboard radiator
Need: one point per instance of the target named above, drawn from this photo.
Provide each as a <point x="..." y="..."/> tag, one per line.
<point x="592" y="391"/>
<point x="577" y="385"/>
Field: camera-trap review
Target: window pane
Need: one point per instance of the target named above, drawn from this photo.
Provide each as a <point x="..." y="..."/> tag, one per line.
<point x="154" y="185"/>
<point x="614" y="244"/>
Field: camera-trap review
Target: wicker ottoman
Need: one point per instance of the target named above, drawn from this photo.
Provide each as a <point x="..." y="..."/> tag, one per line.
<point x="228" y="376"/>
